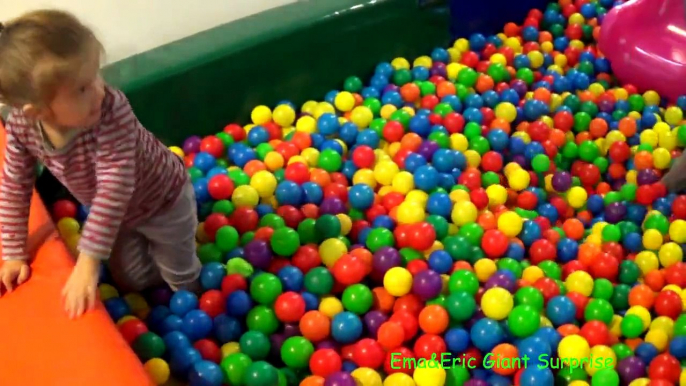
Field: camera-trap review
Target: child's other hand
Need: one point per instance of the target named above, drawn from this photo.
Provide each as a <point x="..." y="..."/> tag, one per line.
<point x="13" y="272"/>
<point x="80" y="291"/>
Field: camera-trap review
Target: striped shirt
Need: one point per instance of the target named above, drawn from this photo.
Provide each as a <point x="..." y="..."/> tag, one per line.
<point x="116" y="167"/>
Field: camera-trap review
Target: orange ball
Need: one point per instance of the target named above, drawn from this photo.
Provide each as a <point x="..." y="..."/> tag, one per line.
<point x="568" y="329"/>
<point x="315" y="326"/>
<point x="641" y="295"/>
<point x="390" y="335"/>
<point x="573" y="228"/>
<point x="503" y="359"/>
<point x="433" y="319"/>
<point x="312" y="380"/>
<point x="383" y="301"/>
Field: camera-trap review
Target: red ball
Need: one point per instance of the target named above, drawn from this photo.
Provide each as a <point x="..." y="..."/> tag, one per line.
<point x="580" y="301"/>
<point x="212" y="224"/>
<point x="679" y="207"/>
<point x="548" y="287"/>
<point x="494" y="243"/>
<point x="542" y="250"/>
<point x="390" y="335"/>
<point x="395" y="358"/>
<point x="235" y="131"/>
<point x="668" y="303"/>
<point x="208" y="350"/>
<point x="563" y="120"/>
<point x="212" y="302"/>
<point x="595" y="332"/>
<point x="233" y="282"/>
<point x="297" y="172"/>
<point x="213" y="146"/>
<point x="527" y="200"/>
<point x="64" y="209"/>
<point x="287" y="150"/>
<point x="416" y="266"/>
<point x="645" y="195"/>
<point x="492" y="162"/>
<point x="605" y="266"/>
<point x="407" y="320"/>
<point x="676" y="274"/>
<point x="132" y="329"/>
<point x="289" y="307"/>
<point x="421" y="236"/>
<point x="244" y="219"/>
<point x="349" y="270"/>
<point x="619" y="152"/>
<point x="454" y="122"/>
<point x="363" y="157"/>
<point x="325" y="362"/>
<point x="479" y="197"/>
<point x="429" y="345"/>
<point x="291" y="215"/>
<point x="306" y="258"/>
<point x="665" y="366"/>
<point x="393" y="131"/>
<point x="368" y="353"/>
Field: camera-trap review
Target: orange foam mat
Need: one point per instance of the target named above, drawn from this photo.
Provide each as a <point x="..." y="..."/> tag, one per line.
<point x="39" y="344"/>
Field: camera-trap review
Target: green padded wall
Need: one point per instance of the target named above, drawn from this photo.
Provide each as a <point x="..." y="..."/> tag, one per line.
<point x="296" y="52"/>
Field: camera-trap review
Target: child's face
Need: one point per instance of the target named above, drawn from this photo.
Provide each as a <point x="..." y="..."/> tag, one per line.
<point x="78" y="102"/>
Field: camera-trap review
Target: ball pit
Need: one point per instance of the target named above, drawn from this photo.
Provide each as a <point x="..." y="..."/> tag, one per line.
<point x="495" y="200"/>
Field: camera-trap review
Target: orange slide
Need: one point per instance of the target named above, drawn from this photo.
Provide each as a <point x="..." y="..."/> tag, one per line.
<point x="39" y="345"/>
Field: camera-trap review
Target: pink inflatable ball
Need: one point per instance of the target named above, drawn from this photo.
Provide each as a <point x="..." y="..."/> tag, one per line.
<point x="332" y="206"/>
<point x="373" y="320"/>
<point x="258" y="254"/>
<point x="340" y="378"/>
<point x="647" y="177"/>
<point x="561" y="181"/>
<point x="384" y="259"/>
<point x="192" y="145"/>
<point x="631" y="368"/>
<point x="427" y="284"/>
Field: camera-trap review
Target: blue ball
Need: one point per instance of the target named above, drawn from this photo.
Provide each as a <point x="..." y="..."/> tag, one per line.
<point x="515" y="251"/>
<point x="349" y="366"/>
<point x="182" y="360"/>
<point x="420" y="125"/>
<point x="117" y="308"/>
<point x="204" y="161"/>
<point x="414" y="161"/>
<point x="567" y="250"/>
<point x="211" y="275"/>
<point x="82" y="213"/>
<point x="536" y="376"/>
<point x="368" y="137"/>
<point x="443" y="160"/>
<point x="238" y="303"/>
<point x="206" y="373"/>
<point x="677" y="347"/>
<point x="533" y="347"/>
<point x="420" y="73"/>
<point x="457" y="340"/>
<point x="257" y="135"/>
<point x="156" y="317"/>
<point x="291" y="278"/>
<point x="561" y="310"/>
<point x="346" y="327"/>
<point x="440" y="261"/>
<point x="383" y="221"/>
<point x="196" y="325"/>
<point x="288" y="193"/>
<point x="646" y="352"/>
<point x="202" y="194"/>
<point x="486" y="334"/>
<point x="312" y="193"/>
<point x="182" y="302"/>
<point x="171" y="323"/>
<point x="550" y="335"/>
<point x="361" y="196"/>
<point x="175" y="340"/>
<point x="227" y="329"/>
<point x="311" y="301"/>
<point x="426" y="178"/>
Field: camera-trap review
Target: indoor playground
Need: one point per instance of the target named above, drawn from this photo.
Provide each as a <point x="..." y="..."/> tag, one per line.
<point x="396" y="193"/>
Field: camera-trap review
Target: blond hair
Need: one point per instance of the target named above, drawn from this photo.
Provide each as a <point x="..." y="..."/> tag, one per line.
<point x="38" y="51"/>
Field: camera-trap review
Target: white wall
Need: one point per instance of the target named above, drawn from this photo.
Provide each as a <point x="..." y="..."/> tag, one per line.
<point x="123" y="25"/>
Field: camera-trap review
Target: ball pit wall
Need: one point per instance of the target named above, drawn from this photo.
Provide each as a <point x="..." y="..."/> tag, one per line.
<point x="40" y="345"/>
<point x="488" y="16"/>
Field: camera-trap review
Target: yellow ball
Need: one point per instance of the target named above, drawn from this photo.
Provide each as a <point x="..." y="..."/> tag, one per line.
<point x="673" y="115"/>
<point x="661" y="158"/>
<point x="366" y="377"/>
<point x="573" y="347"/>
<point x="107" y="292"/>
<point x="498" y="59"/>
<point x="330" y="306"/>
<point x="403" y="182"/>
<point x="309" y="106"/>
<point x="245" y="196"/>
<point x="418" y="197"/>
<point x="536" y="58"/>
<point x="473" y="158"/>
<point x="642" y="313"/>
<point x="397" y="281"/>
<point x="365" y="176"/>
<point x="261" y="115"/>
<point x="324" y="108"/>
<point x="510" y="223"/>
<point x="230" y="348"/>
<point x="576" y="18"/>
<point x="284" y="115"/>
<point x="459" y="142"/>
<point x="668" y="141"/>
<point x="361" y="116"/>
<point x="650" y="137"/>
<point x="670" y="254"/>
<point x="647" y="261"/>
<point x="454" y="68"/>
<point x="137" y="304"/>
<point x="497" y="195"/>
<point x="464" y="212"/>
<point x="580" y="282"/>
<point x="429" y="374"/>
<point x="506" y="111"/>
<point x="410" y="213"/>
<point x="177" y="150"/>
<point x="387" y="110"/>
<point x="577" y="196"/>
<point x="399" y="379"/>
<point x="497" y="303"/>
<point x="677" y="231"/>
<point x="651" y="98"/>
<point x="663" y="323"/>
<point x="605" y="355"/>
<point x="346" y="223"/>
<point x="532" y="273"/>
<point x="519" y="180"/>
<point x="578" y="383"/>
<point x="640" y="382"/>
<point x="331" y="250"/>
<point x="658" y="338"/>
<point x="400" y="64"/>
<point x="652" y="239"/>
<point x="306" y="124"/>
<point x="158" y="370"/>
<point x="274" y="161"/>
<point x="385" y="171"/>
<point x="484" y="268"/>
<point x="264" y="183"/>
<point x="423" y="61"/>
<point x="344" y="101"/>
<point x="68" y="226"/>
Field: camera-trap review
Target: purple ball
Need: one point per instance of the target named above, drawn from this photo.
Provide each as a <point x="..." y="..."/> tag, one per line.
<point x="631" y="368"/>
<point x="384" y="259"/>
<point x="332" y="206"/>
<point x="647" y="177"/>
<point x="192" y="144"/>
<point x="502" y="280"/>
<point x="373" y="320"/>
<point x="475" y="382"/>
<point x="427" y="284"/>
<point x="326" y="344"/>
<point x="520" y="160"/>
<point x="606" y="106"/>
<point x="291" y="330"/>
<point x="615" y="212"/>
<point x="276" y="341"/>
<point x="427" y="149"/>
<point x="160" y="296"/>
<point x="478" y="315"/>
<point x="617" y="184"/>
<point x="439" y="69"/>
<point x="258" y="254"/>
<point x="562" y="181"/>
<point x="340" y="378"/>
<point x="390" y="87"/>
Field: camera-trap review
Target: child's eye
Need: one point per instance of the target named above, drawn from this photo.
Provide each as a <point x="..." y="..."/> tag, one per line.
<point x="83" y="89"/>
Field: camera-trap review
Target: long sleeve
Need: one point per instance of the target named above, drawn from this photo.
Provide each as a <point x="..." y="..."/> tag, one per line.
<point x="115" y="179"/>
<point x="16" y="188"/>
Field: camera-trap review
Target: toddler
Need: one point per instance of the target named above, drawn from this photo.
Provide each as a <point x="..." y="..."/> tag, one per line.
<point x="142" y="205"/>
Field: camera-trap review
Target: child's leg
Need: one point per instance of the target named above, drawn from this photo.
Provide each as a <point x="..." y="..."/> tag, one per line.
<point x="130" y="264"/>
<point x="172" y="242"/>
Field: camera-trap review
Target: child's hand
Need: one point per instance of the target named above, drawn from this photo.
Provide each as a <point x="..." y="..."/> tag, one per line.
<point x="80" y="291"/>
<point x="13" y="271"/>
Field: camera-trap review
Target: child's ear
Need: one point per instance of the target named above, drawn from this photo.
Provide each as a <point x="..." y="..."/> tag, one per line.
<point x="35" y="112"/>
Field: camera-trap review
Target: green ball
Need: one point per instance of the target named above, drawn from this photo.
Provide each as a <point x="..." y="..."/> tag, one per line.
<point x="149" y="345"/>
<point x="629" y="272"/>
<point x="239" y="177"/>
<point x="681" y="134"/>
<point x="523" y="321"/>
<point x="588" y="151"/>
<point x="210" y="253"/>
<point x="224" y="207"/>
<point x="194" y="173"/>
<point x="265" y="288"/>
<point x="628" y="191"/>
<point x="658" y="222"/>
<point x="605" y="377"/>
<point x="631" y="326"/>
<point x="460" y="306"/>
<point x="261" y="373"/>
<point x="296" y="352"/>
<point x="611" y="233"/>
<point x="401" y="77"/>
<point x="263" y="319"/>
<point x="353" y="84"/>
<point x="458" y="247"/>
<point x="529" y="296"/>
<point x="226" y="238"/>
<point x="602" y="289"/>
<point x="512" y="265"/>
<point x="328" y="226"/>
<point x="440" y="225"/>
<point x="318" y="281"/>
<point x="409" y="254"/>
<point x="357" y="298"/>
<point x="540" y="163"/>
<point x="255" y="344"/>
<point x="463" y="280"/>
<point x="473" y="232"/>
<point x="467" y="77"/>
<point x="599" y="309"/>
<point x="379" y="238"/>
<point x="551" y="269"/>
<point x="456" y="375"/>
<point x="680" y="326"/>
<point x="235" y="367"/>
<point x="272" y="220"/>
<point x="622" y="351"/>
<point x="307" y="231"/>
<point x="620" y="297"/>
<point x="330" y="160"/>
<point x="285" y="241"/>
